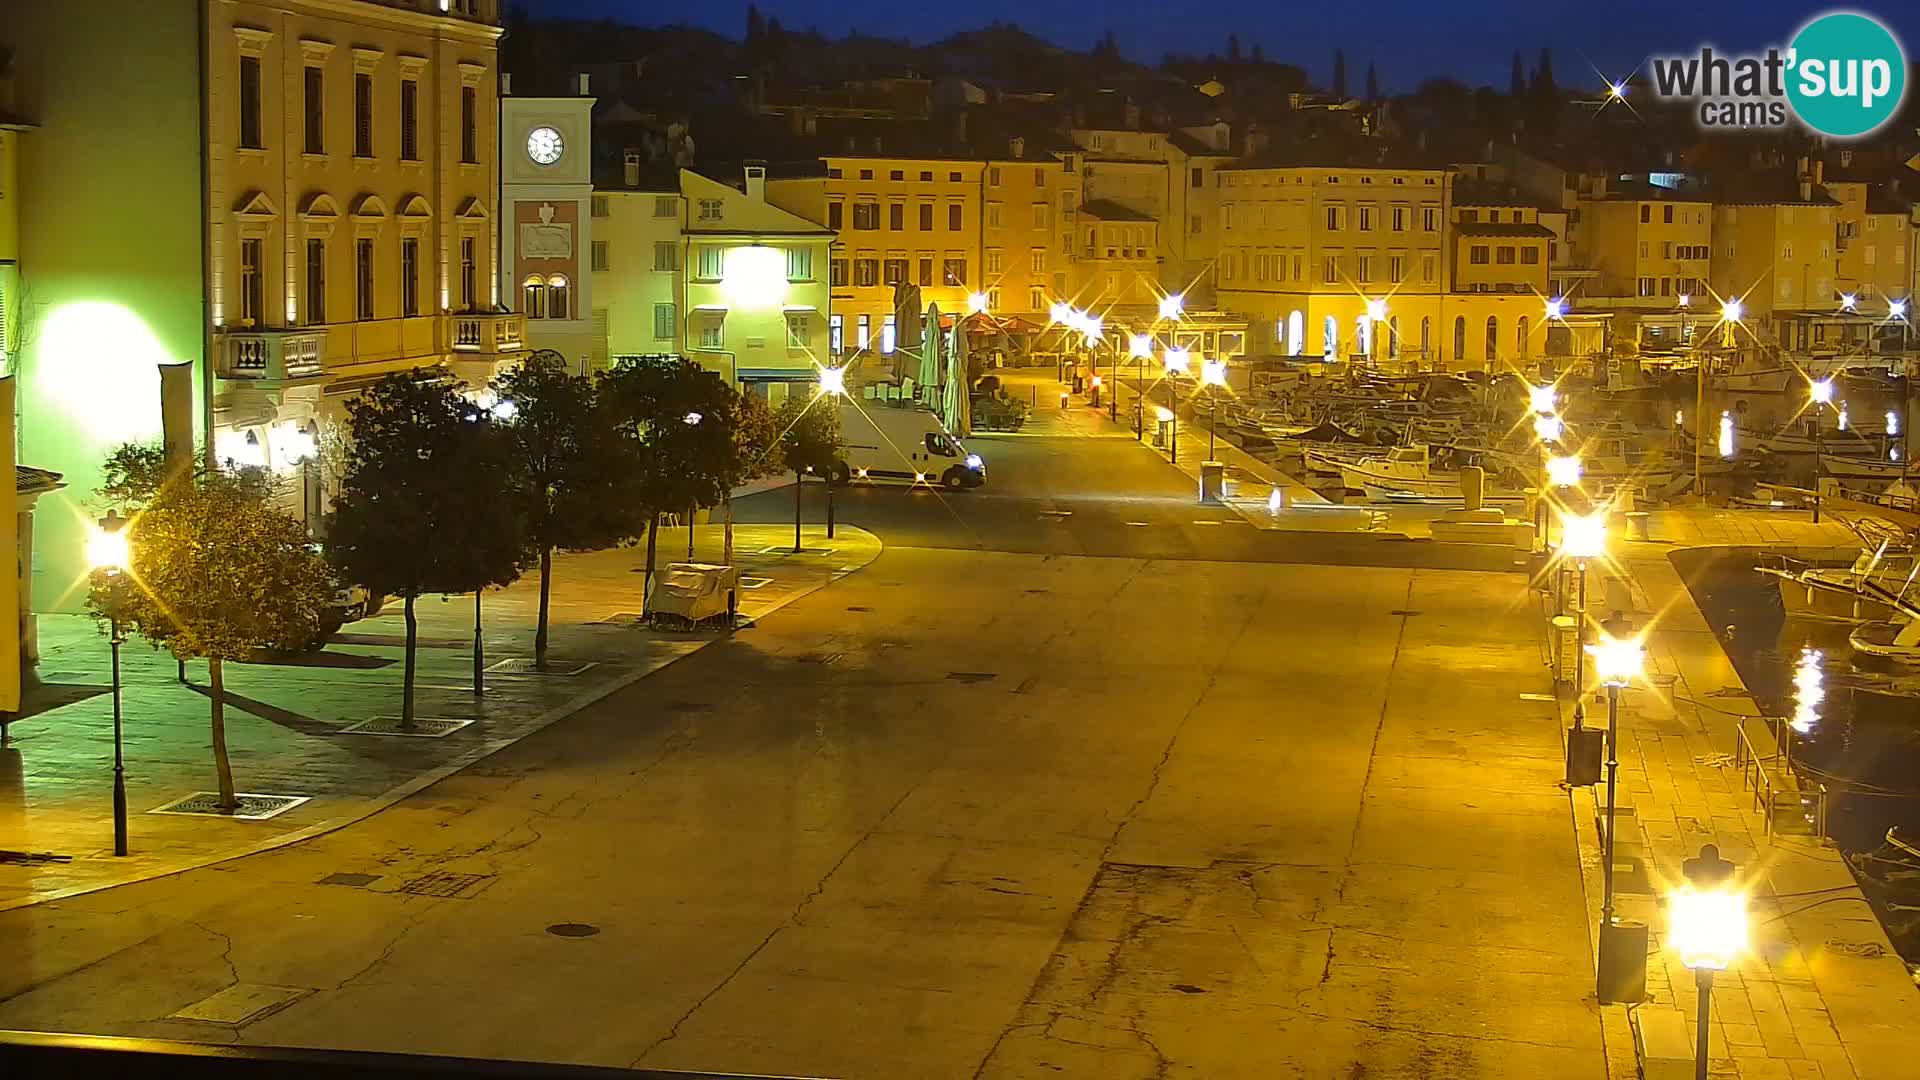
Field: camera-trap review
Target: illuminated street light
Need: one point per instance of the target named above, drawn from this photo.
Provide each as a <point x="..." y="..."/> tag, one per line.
<point x="1178" y="361"/>
<point x="977" y="303"/>
<point x="1731" y="311"/>
<point x="107" y="544"/>
<point x="1213" y="372"/>
<point x="108" y="554"/>
<point x="1616" y="91"/>
<point x="1140" y="345"/>
<point x="1172" y="305"/>
<point x="1090" y="326"/>
<point x="1563" y="470"/>
<point x="1848" y="301"/>
<point x="692" y="418"/>
<point x="1556" y="308"/>
<point x="1059" y="312"/>
<point x="1163" y="413"/>
<point x="1541" y="398"/>
<point x="1583" y="536"/>
<point x="1726" y="435"/>
<point x="1821" y="391"/>
<point x="1377" y="310"/>
<point x="1685" y="300"/>
<point x="1548" y="428"/>
<point x="1896" y="309"/>
<point x="1707" y="926"/>
<point x="833" y="381"/>
<point x="1617" y="662"/>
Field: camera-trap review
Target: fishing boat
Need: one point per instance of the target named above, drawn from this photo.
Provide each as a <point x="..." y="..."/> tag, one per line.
<point x="1887" y="641"/>
<point x="1843" y="593"/>
<point x="1406" y="474"/>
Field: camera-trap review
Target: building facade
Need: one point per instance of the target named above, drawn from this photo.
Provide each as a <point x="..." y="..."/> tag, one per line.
<point x="548" y="251"/>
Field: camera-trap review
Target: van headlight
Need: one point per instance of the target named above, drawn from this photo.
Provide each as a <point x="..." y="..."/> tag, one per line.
<point x="974" y="462"/>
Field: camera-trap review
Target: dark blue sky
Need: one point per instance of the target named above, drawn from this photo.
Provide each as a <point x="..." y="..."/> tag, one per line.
<point x="1409" y="39"/>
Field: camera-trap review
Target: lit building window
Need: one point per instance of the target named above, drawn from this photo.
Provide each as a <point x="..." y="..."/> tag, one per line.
<point x="557" y="298"/>
<point x="533" y="298"/>
<point x="886" y="336"/>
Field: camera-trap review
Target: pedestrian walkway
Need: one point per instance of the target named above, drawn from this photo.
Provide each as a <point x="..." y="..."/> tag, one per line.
<point x="288" y="723"/>
<point x="1052" y="414"/>
<point x="1821" y="992"/>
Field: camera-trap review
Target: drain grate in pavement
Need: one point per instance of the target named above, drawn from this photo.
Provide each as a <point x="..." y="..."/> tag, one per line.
<point x="424" y="727"/>
<point x="523" y="665"/>
<point x="30" y="858"/>
<point x="1537" y="697"/>
<point x="241" y="1003"/>
<point x="573" y="929"/>
<point x="351" y="881"/>
<point x="817" y="657"/>
<point x="778" y="550"/>
<point x="971" y="676"/>
<point x="755" y="582"/>
<point x="253" y="807"/>
<point x="1402" y="611"/>
<point x="445" y="884"/>
<point x="857" y="607"/>
<point x="687" y="706"/>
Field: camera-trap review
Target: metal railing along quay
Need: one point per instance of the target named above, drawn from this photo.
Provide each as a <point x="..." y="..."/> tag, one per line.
<point x="1768" y="786"/>
<point x="30" y="1054"/>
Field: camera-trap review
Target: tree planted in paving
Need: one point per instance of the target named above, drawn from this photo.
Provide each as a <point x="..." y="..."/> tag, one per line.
<point x="572" y="467"/>
<point x="426" y="505"/>
<point x="215" y="572"/>
<point x="809" y="442"/>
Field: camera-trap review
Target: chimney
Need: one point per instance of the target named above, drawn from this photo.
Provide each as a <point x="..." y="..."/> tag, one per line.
<point x="1017" y="148"/>
<point x="1806" y="181"/>
<point x="506" y="84"/>
<point x="757" y="181"/>
<point x="630" y="168"/>
<point x="584" y="92"/>
<point x="1819" y="172"/>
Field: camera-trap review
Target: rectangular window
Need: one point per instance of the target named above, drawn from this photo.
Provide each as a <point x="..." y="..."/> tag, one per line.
<point x="894" y="271"/>
<point x="712" y="209"/>
<point x="713" y="262"/>
<point x="1668" y="214"/>
<point x="1037" y="261"/>
<point x="1469" y="215"/>
<point x="866" y="272"/>
<point x="993" y="215"/>
<point x="663" y="322"/>
<point x="713" y="333"/>
<point x="1330" y="269"/>
<point x="993" y="261"/>
<point x="1427" y="262"/>
<point x="953" y="217"/>
<point x="316" y="282"/>
<point x="1333" y="219"/>
<point x="864" y="329"/>
<point x="363" y="279"/>
<point x="1478" y="255"/>
<point x="1366" y="219"/>
<point x="1399" y="219"/>
<point x="954" y="272"/>
<point x="598" y="206"/>
<point x="316" y="111"/>
<point x="866" y="215"/>
<point x="836" y="216"/>
<point x="1036" y="300"/>
<point x="1429" y="219"/>
<point x="1194" y="224"/>
<point x="993" y="299"/>
<point x="1366" y="268"/>
<point x="799" y="264"/>
<point x="1197" y="177"/>
<point x="1397" y="269"/>
<point x="993" y="176"/>
<point x="925" y="275"/>
<point x="469" y="125"/>
<point x="897" y="174"/>
<point x="1530" y="255"/>
<point x="252" y="290"/>
<point x="410" y="121"/>
<point x="1646" y="213"/>
<point x="469" y="275"/>
<point x="665" y="255"/>
<point x="896" y="216"/>
<point x="837" y="272"/>
<point x="1042" y="214"/>
<point x="799" y="331"/>
<point x="1646" y="283"/>
<point x="926" y="216"/>
<point x="888" y="335"/>
<point x="836" y="327"/>
<point x="250" y="102"/>
<point x="600" y="257"/>
<point x="409" y="276"/>
<point x="665" y="206"/>
<point x="1503" y="255"/>
<point x="363" y="116"/>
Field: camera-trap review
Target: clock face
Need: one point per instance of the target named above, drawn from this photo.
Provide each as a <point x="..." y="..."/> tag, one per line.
<point x="544" y="145"/>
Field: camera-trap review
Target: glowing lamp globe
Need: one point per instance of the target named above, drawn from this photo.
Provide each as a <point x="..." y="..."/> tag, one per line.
<point x="1541" y="398"/>
<point x="107" y="544"/>
<point x="833" y="381"/>
<point x="1178" y="361"/>
<point x="1171" y="306"/>
<point x="1583" y="536"/>
<point x="1563" y="470"/>
<point x="1139" y="345"/>
<point x="1617" y="662"/>
<point x="1556" y="308"/>
<point x="1821" y="391"/>
<point x="977" y="303"/>
<point x="1732" y="310"/>
<point x="1708" y="927"/>
<point x="1213" y="372"/>
<point x="1377" y="310"/>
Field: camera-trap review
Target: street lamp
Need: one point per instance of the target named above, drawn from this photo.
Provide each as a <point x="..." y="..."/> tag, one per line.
<point x="1848" y="301"/>
<point x="833" y="384"/>
<point x="1556" y="308"/>
<point x="1820" y="391"/>
<point x="1707" y="924"/>
<point x="1548" y="428"/>
<point x="1172" y="305"/>
<point x="1213" y="374"/>
<point x="977" y="303"/>
<point x="1726" y="434"/>
<point x="1582" y="537"/>
<point x="1541" y="399"/>
<point x="1731" y="310"/>
<point x="108" y="554"/>
<point x="1616" y="663"/>
<point x="1563" y="470"/>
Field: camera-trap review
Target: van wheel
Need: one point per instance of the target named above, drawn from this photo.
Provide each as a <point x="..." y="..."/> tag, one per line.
<point x="839" y="474"/>
<point x="954" y="479"/>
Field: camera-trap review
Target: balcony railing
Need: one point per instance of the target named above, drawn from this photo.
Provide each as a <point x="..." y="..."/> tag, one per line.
<point x="272" y="354"/>
<point x="490" y="332"/>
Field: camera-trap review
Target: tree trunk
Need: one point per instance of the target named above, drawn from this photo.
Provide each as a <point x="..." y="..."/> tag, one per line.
<point x="221" y="765"/>
<point x="406" y="680"/>
<point x="646" y="579"/>
<point x="797" y="478"/>
<point x="546" y="587"/>
<point x="726" y="553"/>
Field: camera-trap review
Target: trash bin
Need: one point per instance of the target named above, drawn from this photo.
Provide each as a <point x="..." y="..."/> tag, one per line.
<point x="1623" y="963"/>
<point x="1213" y="481"/>
<point x="1639" y="525"/>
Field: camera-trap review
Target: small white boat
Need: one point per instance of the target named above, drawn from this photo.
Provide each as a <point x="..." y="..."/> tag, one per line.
<point x="1406" y="474"/>
<point x="1898" y="642"/>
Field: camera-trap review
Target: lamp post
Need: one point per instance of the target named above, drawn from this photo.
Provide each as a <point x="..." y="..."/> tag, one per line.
<point x="1213" y="375"/>
<point x="1707" y="924"/>
<point x="108" y="553"/>
<point x="1177" y="362"/>
<point x="833" y="384"/>
<point x="1615" y="663"/>
<point x="1582" y="538"/>
<point x="1821" y="394"/>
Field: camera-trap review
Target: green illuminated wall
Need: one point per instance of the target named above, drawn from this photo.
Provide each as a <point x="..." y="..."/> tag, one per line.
<point x="110" y="241"/>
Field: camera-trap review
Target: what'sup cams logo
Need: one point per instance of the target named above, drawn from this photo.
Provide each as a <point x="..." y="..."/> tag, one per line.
<point x="1843" y="76"/>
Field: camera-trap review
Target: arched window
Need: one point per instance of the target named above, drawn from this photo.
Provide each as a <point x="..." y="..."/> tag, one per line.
<point x="1362" y="336"/>
<point x="1493" y="338"/>
<point x="1426" y="337"/>
<point x="1460" y="337"/>
<point x="1393" y="337"/>
<point x="557" y="297"/>
<point x="1523" y="336"/>
<point x="533" y="298"/>
<point x="1296" y="329"/>
<point x="1330" y="337"/>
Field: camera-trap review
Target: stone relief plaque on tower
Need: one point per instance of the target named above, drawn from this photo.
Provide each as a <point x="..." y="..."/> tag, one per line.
<point x="546" y="238"/>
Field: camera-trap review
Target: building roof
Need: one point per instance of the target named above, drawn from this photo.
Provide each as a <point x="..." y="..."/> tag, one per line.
<point x="1779" y="188"/>
<point x="1337" y="154"/>
<point x="1882" y="201"/>
<point x="1501" y="228"/>
<point x="28" y="480"/>
<point x="1108" y="210"/>
<point x="1471" y="192"/>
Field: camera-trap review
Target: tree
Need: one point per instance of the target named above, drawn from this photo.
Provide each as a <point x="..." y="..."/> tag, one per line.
<point x="571" y="464"/>
<point x="1518" y="87"/>
<point x="1373" y="83"/>
<point x="1259" y="55"/>
<point x="756" y="437"/>
<point x="214" y="571"/>
<point x="1233" y="48"/>
<point x="426" y="504"/>
<point x="1543" y="87"/>
<point x="809" y="442"/>
<point x="1339" y="73"/>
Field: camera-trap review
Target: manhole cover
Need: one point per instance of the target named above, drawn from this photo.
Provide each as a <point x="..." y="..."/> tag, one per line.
<point x="755" y="582"/>
<point x="971" y="676"/>
<point x="523" y="665"/>
<point x="424" y="727"/>
<point x="352" y="881"/>
<point x="253" y="807"/>
<point x="241" y="1003"/>
<point x="444" y="884"/>
<point x="573" y="929"/>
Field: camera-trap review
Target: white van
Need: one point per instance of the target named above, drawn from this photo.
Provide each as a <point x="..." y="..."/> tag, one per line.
<point x="882" y="444"/>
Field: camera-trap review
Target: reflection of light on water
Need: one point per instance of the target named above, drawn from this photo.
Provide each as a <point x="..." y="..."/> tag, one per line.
<point x="1808" y="692"/>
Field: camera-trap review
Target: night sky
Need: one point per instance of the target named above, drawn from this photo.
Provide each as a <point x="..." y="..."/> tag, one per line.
<point x="1409" y="39"/>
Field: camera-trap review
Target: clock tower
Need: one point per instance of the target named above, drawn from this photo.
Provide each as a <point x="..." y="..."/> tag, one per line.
<point x="546" y="210"/>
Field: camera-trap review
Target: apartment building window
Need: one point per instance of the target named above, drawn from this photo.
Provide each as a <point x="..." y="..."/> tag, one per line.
<point x="469" y="275"/>
<point x="993" y="299"/>
<point x="666" y="255"/>
<point x="866" y="174"/>
<point x="1196" y="177"/>
<point x="363" y="279"/>
<point x="1036" y="300"/>
<point x="316" y="282"/>
<point x="926" y="175"/>
<point x="1503" y="255"/>
<point x="665" y="206"/>
<point x="1399" y="219"/>
<point x="993" y="261"/>
<point x="1397" y="269"/>
<point x="1469" y="215"/>
<point x="1644" y="246"/>
<point x="1666" y="249"/>
<point x="836" y="216"/>
<point x="888" y="335"/>
<point x="864" y="329"/>
<point x="1042" y="215"/>
<point x="1427" y="266"/>
<point x="601" y="260"/>
<point x="993" y="176"/>
<point x="1429" y="219"/>
<point x="894" y="271"/>
<point x="1477" y="255"/>
<point x="314" y="87"/>
<point x="1067" y="204"/>
<point x="1039" y="177"/>
<point x="469" y="125"/>
<point x="1667" y="214"/>
<point x="833" y="174"/>
<point x="993" y="215"/>
<point x="1786" y="251"/>
<point x="799" y="330"/>
<point x="250" y="102"/>
<point x="1226" y="218"/>
<point x="1366" y="219"/>
<point x="557" y="307"/>
<point x="1646" y="286"/>
<point x="924" y="276"/>
<point x="1530" y="255"/>
<point x="897" y="174"/>
<point x="664" y="322"/>
<point x="1334" y="219"/>
<point x="597" y="206"/>
<point x="410" y="121"/>
<point x="954" y="272"/>
<point x="713" y="333"/>
<point x="712" y="263"/>
<point x="953" y="217"/>
<point x="1037" y="260"/>
<point x="866" y="216"/>
<point x="896" y="216"/>
<point x="926" y="217"/>
<point x="252" y="289"/>
<point x="1193" y="224"/>
<point x="1330" y="269"/>
<point x="866" y="272"/>
<point x="1646" y="213"/>
<point x="363" y="115"/>
<point x="836" y="327"/>
<point x="799" y="264"/>
<point x="1366" y="268"/>
<point x="837" y="272"/>
<point x="712" y="209"/>
<point x="409" y="276"/>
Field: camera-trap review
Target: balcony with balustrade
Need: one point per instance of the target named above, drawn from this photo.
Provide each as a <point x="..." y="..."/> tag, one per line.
<point x="487" y="334"/>
<point x="270" y="356"/>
